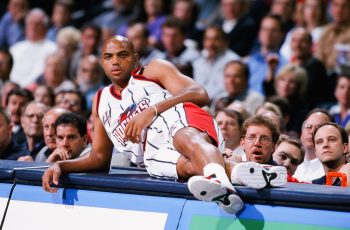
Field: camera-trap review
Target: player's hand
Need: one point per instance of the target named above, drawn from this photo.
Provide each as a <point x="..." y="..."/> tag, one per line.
<point x="51" y="176"/>
<point x="59" y="154"/>
<point x="25" y="158"/>
<point x="135" y="126"/>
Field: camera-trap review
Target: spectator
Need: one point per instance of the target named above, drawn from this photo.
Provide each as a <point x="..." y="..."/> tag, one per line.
<point x="155" y="17"/>
<point x="264" y="62"/>
<point x="285" y="9"/>
<point x="273" y="112"/>
<point x="347" y="156"/>
<point x="341" y="111"/>
<point x="138" y="34"/>
<point x="187" y="11"/>
<point x="311" y="168"/>
<point x="313" y="18"/>
<point x="9" y="149"/>
<point x="45" y="95"/>
<point x="240" y="28"/>
<point x="71" y="138"/>
<point x="284" y="107"/>
<point x="29" y="56"/>
<point x="331" y="144"/>
<point x="229" y="122"/>
<point x="123" y="12"/>
<point x="336" y="32"/>
<point x="12" y="23"/>
<point x="31" y="121"/>
<point x="208" y="69"/>
<point x="173" y="37"/>
<point x="90" y="41"/>
<point x="6" y="63"/>
<point x="61" y="17"/>
<point x="16" y="100"/>
<point x="240" y="108"/>
<point x="289" y="153"/>
<point x="236" y="78"/>
<point x="89" y="78"/>
<point x="259" y="137"/>
<point x="68" y="39"/>
<point x="55" y="75"/>
<point x="6" y="88"/>
<point x="291" y="83"/>
<point x="319" y="86"/>
<point x="73" y="100"/>
<point x="49" y="131"/>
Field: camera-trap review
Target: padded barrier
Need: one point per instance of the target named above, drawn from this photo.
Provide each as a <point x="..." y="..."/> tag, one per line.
<point x="161" y="204"/>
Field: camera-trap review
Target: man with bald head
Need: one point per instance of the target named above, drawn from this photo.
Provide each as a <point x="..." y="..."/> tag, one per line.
<point x="152" y="113"/>
<point x="49" y="120"/>
<point x="29" y="55"/>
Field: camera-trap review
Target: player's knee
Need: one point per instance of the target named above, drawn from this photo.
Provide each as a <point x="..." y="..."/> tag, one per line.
<point x="190" y="138"/>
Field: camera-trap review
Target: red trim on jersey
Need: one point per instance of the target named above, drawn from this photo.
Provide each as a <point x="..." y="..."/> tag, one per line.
<point x="200" y="119"/>
<point x="115" y="94"/>
<point x="143" y="78"/>
<point x="98" y="97"/>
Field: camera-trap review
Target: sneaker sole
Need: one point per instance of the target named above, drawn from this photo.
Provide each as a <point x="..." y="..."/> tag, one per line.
<point x="254" y="175"/>
<point x="207" y="189"/>
<point x="236" y="204"/>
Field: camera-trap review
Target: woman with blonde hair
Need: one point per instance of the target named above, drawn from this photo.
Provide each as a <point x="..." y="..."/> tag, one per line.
<point x="291" y="83"/>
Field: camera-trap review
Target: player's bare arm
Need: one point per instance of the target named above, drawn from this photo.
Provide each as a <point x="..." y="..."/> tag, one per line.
<point x="183" y="89"/>
<point x="98" y="159"/>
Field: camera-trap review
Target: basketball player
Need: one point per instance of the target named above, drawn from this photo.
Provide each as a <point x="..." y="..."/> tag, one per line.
<point x="153" y="114"/>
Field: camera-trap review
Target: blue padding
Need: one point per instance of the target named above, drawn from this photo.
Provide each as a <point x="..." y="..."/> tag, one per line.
<point x="6" y="174"/>
<point x="116" y="179"/>
<point x="5" y="190"/>
<point x="172" y="206"/>
<point x="7" y="168"/>
<point x="140" y="181"/>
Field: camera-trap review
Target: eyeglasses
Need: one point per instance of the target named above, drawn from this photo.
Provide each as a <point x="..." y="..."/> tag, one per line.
<point x="69" y="102"/>
<point x="308" y="126"/>
<point x="263" y="139"/>
<point x="31" y="116"/>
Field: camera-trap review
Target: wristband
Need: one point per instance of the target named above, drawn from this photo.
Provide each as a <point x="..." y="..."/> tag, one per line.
<point x="155" y="109"/>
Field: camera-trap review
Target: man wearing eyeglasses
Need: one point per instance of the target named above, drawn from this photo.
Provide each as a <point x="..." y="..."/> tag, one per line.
<point x="259" y="136"/>
<point x="74" y="101"/>
<point x="311" y="168"/>
<point x="31" y="120"/>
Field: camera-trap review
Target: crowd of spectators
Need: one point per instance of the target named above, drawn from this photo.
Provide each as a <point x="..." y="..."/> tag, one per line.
<point x="270" y="67"/>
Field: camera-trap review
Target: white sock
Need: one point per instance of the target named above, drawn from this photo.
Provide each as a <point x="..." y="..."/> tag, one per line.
<point x="219" y="171"/>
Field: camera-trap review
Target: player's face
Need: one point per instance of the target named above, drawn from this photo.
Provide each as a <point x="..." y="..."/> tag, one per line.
<point x="118" y="60"/>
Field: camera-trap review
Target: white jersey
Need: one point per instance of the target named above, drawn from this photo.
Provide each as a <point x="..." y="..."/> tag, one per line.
<point x="116" y="110"/>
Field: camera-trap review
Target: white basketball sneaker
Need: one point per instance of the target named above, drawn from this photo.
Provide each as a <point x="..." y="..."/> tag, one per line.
<point x="211" y="189"/>
<point x="257" y="176"/>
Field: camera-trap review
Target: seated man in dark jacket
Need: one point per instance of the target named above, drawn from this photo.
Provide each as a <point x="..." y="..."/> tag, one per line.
<point x="9" y="150"/>
<point x="331" y="144"/>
